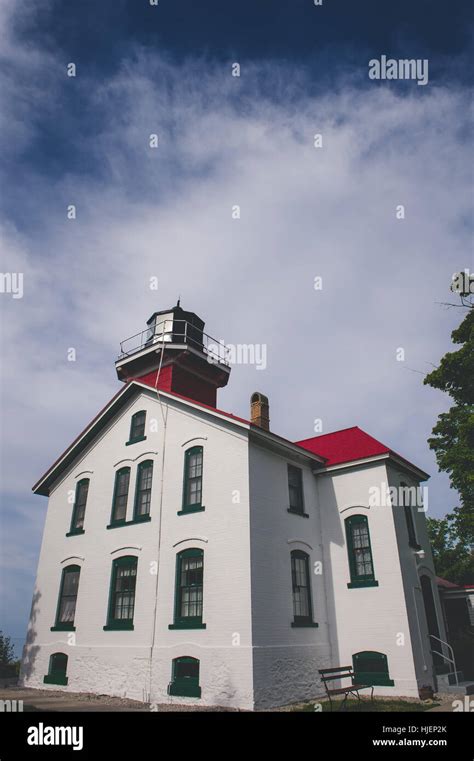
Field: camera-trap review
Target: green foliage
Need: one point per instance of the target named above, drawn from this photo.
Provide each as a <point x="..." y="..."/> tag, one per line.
<point x="453" y="434"/>
<point x="452" y="553"/>
<point x="6" y="650"/>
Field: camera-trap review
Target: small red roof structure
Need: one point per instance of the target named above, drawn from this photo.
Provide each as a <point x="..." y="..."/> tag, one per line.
<point x="344" y="446"/>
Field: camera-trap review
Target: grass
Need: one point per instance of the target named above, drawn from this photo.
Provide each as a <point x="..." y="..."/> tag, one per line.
<point x="367" y="705"/>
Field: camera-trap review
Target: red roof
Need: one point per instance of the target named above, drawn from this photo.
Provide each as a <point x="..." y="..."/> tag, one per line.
<point x="445" y="583"/>
<point x="344" y="446"/>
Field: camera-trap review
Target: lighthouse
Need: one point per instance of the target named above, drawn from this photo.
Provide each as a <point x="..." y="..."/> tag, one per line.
<point x="173" y="353"/>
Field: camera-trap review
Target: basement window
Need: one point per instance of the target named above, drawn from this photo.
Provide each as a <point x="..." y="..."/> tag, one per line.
<point x="185" y="678"/>
<point x="371" y="668"/>
<point x="57" y="670"/>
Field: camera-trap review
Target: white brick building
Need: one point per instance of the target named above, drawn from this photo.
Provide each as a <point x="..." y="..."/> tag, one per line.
<point x="193" y="556"/>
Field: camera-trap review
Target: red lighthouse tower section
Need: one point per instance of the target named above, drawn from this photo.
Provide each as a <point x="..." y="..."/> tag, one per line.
<point x="174" y="354"/>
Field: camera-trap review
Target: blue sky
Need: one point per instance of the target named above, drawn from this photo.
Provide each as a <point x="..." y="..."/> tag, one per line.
<point x="305" y="212"/>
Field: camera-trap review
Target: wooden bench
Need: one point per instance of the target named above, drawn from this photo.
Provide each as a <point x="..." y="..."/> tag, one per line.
<point x="343" y="672"/>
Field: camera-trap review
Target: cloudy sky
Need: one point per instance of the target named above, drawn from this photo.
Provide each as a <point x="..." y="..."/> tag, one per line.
<point x="166" y="212"/>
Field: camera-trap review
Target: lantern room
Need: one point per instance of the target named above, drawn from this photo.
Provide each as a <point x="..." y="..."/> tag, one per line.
<point x="174" y="353"/>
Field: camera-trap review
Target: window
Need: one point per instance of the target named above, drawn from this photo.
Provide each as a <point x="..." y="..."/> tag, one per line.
<point x="143" y="490"/>
<point x="192" y="488"/>
<point x="185" y="678"/>
<point x="57" y="669"/>
<point x="137" y="427"/>
<point x="189" y="590"/>
<point x="67" y="599"/>
<point x="79" y="509"/>
<point x="122" y="593"/>
<point x="120" y="498"/>
<point x="300" y="579"/>
<point x="295" y="488"/>
<point x="371" y="668"/>
<point x="410" y="523"/>
<point x="360" y="553"/>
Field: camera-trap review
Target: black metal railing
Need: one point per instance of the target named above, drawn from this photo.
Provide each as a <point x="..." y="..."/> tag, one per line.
<point x="180" y="332"/>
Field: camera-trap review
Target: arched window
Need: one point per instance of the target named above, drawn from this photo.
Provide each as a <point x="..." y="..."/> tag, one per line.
<point x="79" y="509"/>
<point x="122" y="593"/>
<point x="192" y="481"/>
<point x="143" y="490"/>
<point x="189" y="590"/>
<point x="185" y="677"/>
<point x="137" y="427"/>
<point x="120" y="498"/>
<point x="68" y="589"/>
<point x="301" y="587"/>
<point x="360" y="552"/>
<point x="371" y="668"/>
<point x="57" y="669"/>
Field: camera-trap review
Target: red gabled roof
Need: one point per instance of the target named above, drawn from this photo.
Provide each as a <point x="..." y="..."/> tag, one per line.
<point x="344" y="446"/>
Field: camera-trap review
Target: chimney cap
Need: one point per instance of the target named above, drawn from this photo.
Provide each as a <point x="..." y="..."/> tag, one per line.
<point x="258" y="397"/>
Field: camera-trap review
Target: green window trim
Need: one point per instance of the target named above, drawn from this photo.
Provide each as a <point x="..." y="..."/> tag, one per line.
<point x="76" y="532"/>
<point x="185" y="677"/>
<point x="371" y="668"/>
<point x="295" y="490"/>
<point x="122" y="593"/>
<point x="79" y="508"/>
<point x="361" y="563"/>
<point x="57" y="669"/>
<point x="55" y="679"/>
<point x="138" y="519"/>
<point x="301" y="591"/>
<point x="143" y="488"/>
<point x="192" y="480"/>
<point x="67" y="599"/>
<point x="189" y="590"/>
<point x="137" y="428"/>
<point x="120" y="496"/>
<point x="362" y="583"/>
<point x="297" y="512"/>
<point x="193" y="509"/>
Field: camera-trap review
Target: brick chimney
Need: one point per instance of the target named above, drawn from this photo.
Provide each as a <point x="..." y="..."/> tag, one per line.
<point x="260" y="411"/>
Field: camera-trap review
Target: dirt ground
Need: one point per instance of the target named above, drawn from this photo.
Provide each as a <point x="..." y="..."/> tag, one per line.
<point x="58" y="700"/>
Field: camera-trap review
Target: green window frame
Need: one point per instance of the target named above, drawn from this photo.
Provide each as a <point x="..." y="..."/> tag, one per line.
<point x="295" y="491"/>
<point x="189" y="590"/>
<point x="123" y="582"/>
<point x="301" y="589"/>
<point x="192" y="480"/>
<point x="185" y="677"/>
<point x="371" y="668"/>
<point x="137" y="427"/>
<point x="409" y="520"/>
<point x="120" y="498"/>
<point x="79" y="508"/>
<point x="141" y="510"/>
<point x="57" y="669"/>
<point x="66" y="608"/>
<point x="359" y="550"/>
